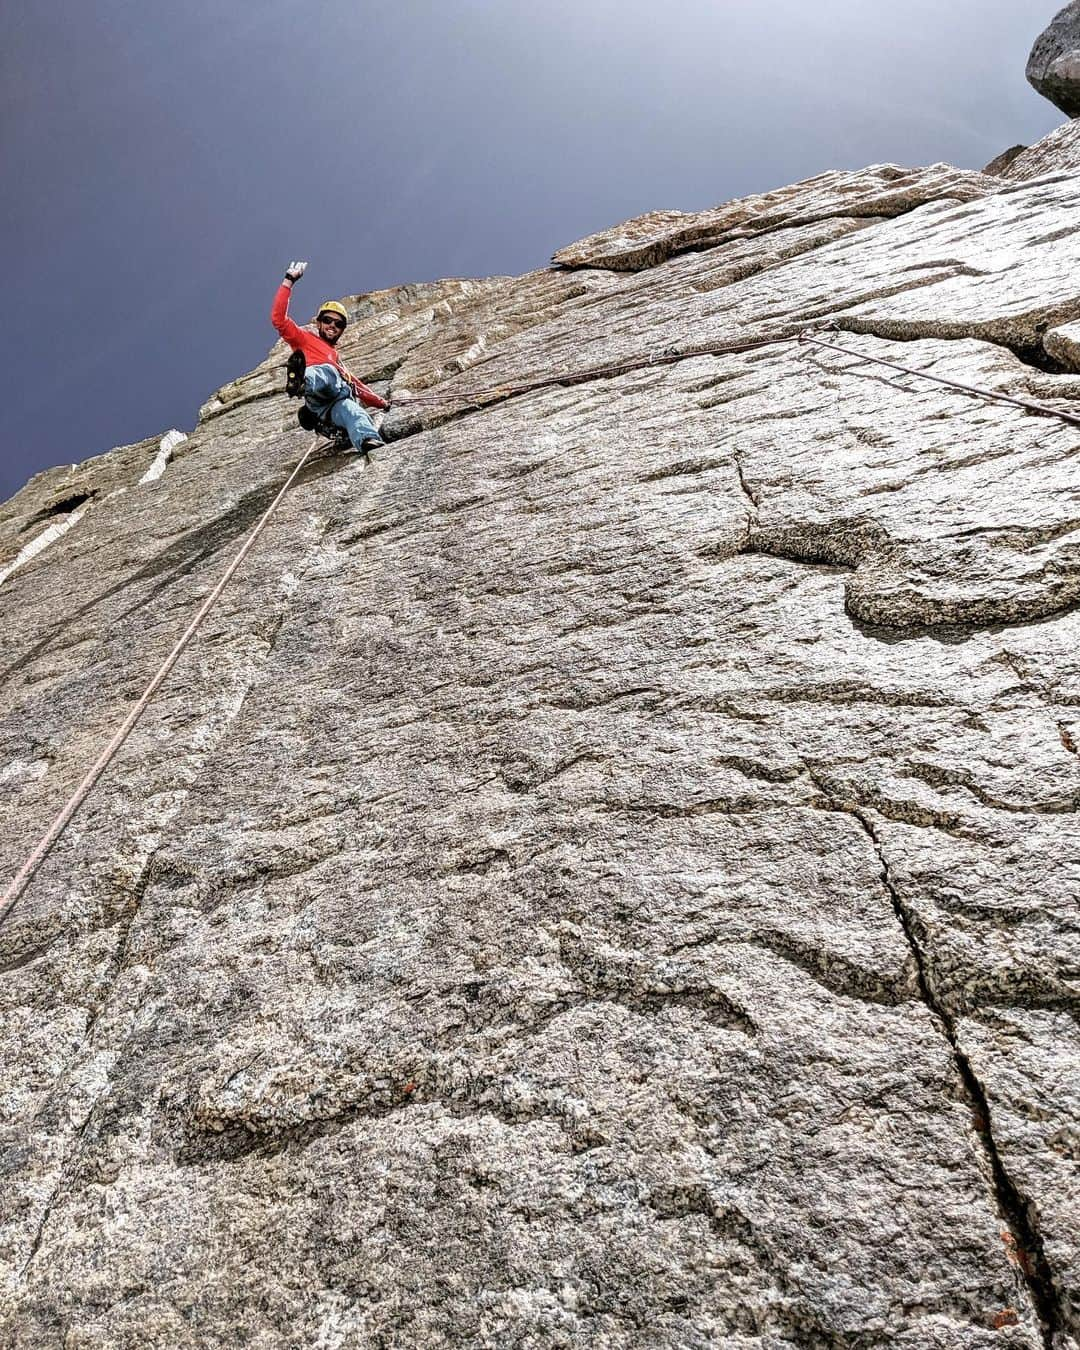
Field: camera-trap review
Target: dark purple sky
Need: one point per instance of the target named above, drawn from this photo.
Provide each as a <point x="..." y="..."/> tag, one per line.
<point x="162" y="162"/>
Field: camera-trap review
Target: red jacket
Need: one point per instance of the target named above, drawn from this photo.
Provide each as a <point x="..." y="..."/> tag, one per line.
<point x="316" y="351"/>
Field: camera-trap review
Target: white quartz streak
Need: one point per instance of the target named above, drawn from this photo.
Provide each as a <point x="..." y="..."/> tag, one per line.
<point x="42" y="541"/>
<point x="166" y="446"/>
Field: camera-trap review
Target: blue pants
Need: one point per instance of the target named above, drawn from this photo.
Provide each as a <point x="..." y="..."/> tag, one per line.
<point x="329" y="395"/>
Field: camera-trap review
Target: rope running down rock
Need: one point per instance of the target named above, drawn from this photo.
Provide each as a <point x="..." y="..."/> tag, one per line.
<point x="497" y="393"/>
<point x="1029" y="405"/>
<point x="500" y="392"/>
<point x="26" y="872"/>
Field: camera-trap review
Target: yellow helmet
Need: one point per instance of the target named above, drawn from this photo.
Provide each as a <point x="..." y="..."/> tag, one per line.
<point x="333" y="307"/>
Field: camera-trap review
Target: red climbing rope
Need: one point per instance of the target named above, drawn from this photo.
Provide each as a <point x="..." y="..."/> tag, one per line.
<point x="26" y="872"/>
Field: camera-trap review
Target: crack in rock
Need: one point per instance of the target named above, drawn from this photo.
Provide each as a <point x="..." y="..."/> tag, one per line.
<point x="1016" y="1210"/>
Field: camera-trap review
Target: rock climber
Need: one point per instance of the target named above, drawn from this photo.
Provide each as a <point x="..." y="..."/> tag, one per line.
<point x="316" y="371"/>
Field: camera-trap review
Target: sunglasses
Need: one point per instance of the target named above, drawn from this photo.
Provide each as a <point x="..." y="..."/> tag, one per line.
<point x="332" y="318"/>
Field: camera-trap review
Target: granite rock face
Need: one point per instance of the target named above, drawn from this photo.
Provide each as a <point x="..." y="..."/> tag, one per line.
<point x="1054" y="65"/>
<point x="606" y="875"/>
<point x="1059" y="152"/>
<point x="881" y="191"/>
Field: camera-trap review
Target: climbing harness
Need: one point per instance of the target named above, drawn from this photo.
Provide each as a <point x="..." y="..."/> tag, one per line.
<point x="309" y="420"/>
<point x="26" y="872"/>
<point x="472" y="398"/>
<point x="337" y="437"/>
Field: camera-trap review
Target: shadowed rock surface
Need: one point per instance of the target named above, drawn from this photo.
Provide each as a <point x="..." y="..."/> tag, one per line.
<point x="1000" y="163"/>
<point x="1054" y="65"/>
<point x="606" y="874"/>
<point x="1059" y="152"/>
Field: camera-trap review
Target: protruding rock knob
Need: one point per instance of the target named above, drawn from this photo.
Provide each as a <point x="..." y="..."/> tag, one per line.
<point x="1054" y="64"/>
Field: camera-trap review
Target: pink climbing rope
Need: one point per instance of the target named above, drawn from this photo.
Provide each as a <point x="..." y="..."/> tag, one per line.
<point x="26" y="872"/>
<point x="589" y="373"/>
<point x="496" y="393"/>
<point x="499" y="392"/>
<point x="1028" y="404"/>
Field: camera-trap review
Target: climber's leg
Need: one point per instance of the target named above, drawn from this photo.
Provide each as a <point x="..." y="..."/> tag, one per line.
<point x="323" y="385"/>
<point x="348" y="414"/>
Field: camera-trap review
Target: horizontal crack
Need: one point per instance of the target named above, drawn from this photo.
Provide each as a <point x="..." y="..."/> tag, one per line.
<point x="833" y="972"/>
<point x="1029" y="351"/>
<point x="204" y="1144"/>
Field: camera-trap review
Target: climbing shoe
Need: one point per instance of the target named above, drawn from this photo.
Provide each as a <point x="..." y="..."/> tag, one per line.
<point x="343" y="446"/>
<point x="296" y="368"/>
